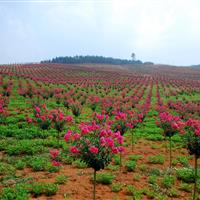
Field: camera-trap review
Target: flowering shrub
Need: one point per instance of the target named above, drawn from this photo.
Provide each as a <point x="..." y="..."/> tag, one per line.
<point x="94" y="145"/>
<point x="59" y="119"/>
<point x="46" y="118"/>
<point x="2" y="114"/>
<point x="94" y="101"/>
<point x="101" y="118"/>
<point x="76" y="108"/>
<point x="43" y="120"/>
<point x="193" y="136"/>
<point x="170" y="124"/>
<point x="54" y="153"/>
<point x="193" y="144"/>
<point x="121" y="123"/>
<point x="3" y="111"/>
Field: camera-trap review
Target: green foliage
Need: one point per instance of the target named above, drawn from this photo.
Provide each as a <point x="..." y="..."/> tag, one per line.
<point x="52" y="169"/>
<point x="130" y="190"/>
<point x="19" y="192"/>
<point x="20" y="165"/>
<point x="185" y="187"/>
<point x="173" y="193"/>
<point x="67" y="159"/>
<point x="112" y="167"/>
<point x="136" y="177"/>
<point x="168" y="181"/>
<point x="186" y="175"/>
<point x="135" y="193"/>
<point x="115" y="198"/>
<point x="79" y="164"/>
<point x="143" y="167"/>
<point x="152" y="179"/>
<point x="154" y="172"/>
<point x="183" y="160"/>
<point x="135" y="157"/>
<point x="44" y="124"/>
<point x="50" y="189"/>
<point x="117" y="187"/>
<point x="61" y="179"/>
<point x="3" y="144"/>
<point x="158" y="159"/>
<point x="39" y="163"/>
<point x="116" y="159"/>
<point x="37" y="189"/>
<point x="155" y="137"/>
<point x="104" y="178"/>
<point x="130" y="165"/>
<point x="151" y="194"/>
<point x="6" y="169"/>
<point x="24" y="132"/>
<point x="24" y="147"/>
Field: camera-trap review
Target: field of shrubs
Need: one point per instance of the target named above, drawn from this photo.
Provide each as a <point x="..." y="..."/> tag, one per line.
<point x="77" y="132"/>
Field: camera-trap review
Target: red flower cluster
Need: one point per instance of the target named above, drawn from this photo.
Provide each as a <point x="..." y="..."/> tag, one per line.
<point x="46" y="118"/>
<point x="54" y="153"/>
<point x="171" y="124"/>
<point x="94" y="143"/>
<point x="194" y="125"/>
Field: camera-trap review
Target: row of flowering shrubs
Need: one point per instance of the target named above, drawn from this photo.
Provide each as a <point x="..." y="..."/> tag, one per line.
<point x="95" y="143"/>
<point x="191" y="132"/>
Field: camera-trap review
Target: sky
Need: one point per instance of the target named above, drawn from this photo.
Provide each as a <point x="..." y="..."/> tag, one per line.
<point x="161" y="31"/>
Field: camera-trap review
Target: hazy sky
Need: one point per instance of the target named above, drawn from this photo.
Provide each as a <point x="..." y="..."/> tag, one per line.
<point x="162" y="31"/>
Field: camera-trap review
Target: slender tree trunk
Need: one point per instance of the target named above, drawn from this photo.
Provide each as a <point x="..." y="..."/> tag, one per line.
<point x="120" y="161"/>
<point x="170" y="152"/>
<point x="132" y="140"/>
<point x="43" y="134"/>
<point x="94" y="186"/>
<point x="58" y="138"/>
<point x="38" y="99"/>
<point x="195" y="177"/>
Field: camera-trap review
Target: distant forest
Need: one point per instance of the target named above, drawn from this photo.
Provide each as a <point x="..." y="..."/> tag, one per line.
<point x="91" y="59"/>
<point x="196" y="66"/>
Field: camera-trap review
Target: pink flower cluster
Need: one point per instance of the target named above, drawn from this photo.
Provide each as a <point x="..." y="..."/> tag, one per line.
<point x="194" y="125"/>
<point x="59" y="116"/>
<point x="120" y="116"/>
<point x="101" y="138"/>
<point x="100" y="118"/>
<point x="54" y="153"/>
<point x="54" y="118"/>
<point x="93" y="149"/>
<point x="1" y="109"/>
<point x="87" y="128"/>
<point x="174" y="121"/>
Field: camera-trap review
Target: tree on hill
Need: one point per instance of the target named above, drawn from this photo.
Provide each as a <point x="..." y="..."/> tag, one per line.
<point x="133" y="56"/>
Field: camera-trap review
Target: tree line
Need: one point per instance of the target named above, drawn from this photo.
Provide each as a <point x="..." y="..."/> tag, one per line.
<point x="91" y="59"/>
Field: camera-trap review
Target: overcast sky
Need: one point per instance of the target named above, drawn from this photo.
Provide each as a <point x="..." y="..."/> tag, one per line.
<point x="162" y="31"/>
